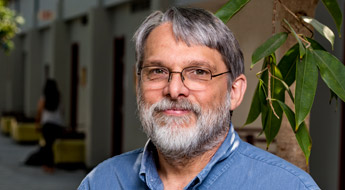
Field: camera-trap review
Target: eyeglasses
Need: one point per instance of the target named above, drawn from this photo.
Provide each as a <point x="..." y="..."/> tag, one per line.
<point x="194" y="78"/>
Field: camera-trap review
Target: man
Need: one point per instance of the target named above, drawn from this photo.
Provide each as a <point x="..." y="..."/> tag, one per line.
<point x="190" y="75"/>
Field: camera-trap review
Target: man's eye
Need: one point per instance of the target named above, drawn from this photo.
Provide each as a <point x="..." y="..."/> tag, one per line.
<point x="157" y="71"/>
<point x="200" y="72"/>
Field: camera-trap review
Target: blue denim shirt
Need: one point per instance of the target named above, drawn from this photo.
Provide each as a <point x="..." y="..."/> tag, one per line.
<point x="236" y="165"/>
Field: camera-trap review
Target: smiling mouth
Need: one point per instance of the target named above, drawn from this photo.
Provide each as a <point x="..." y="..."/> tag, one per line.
<point x="179" y="108"/>
<point x="176" y="111"/>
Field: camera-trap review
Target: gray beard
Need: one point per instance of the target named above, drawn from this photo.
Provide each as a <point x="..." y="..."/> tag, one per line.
<point x="170" y="134"/>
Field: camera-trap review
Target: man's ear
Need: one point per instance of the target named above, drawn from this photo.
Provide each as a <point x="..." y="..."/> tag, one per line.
<point x="238" y="89"/>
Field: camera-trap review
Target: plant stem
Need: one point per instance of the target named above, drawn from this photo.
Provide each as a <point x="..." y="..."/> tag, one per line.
<point x="269" y="98"/>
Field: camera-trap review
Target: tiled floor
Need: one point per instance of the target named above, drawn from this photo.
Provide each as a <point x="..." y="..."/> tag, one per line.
<point x="14" y="175"/>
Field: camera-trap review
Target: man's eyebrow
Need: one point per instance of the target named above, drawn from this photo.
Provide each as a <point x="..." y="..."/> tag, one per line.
<point x="192" y="63"/>
<point x="200" y="63"/>
<point x="152" y="63"/>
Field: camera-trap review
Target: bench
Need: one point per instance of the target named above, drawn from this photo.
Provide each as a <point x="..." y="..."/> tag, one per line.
<point x="24" y="131"/>
<point x="5" y="123"/>
<point x="69" y="151"/>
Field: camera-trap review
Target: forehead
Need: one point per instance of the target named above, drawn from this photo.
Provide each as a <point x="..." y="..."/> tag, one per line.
<point x="162" y="47"/>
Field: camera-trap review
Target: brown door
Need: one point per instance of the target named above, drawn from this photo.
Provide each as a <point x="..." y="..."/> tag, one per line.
<point x="117" y="115"/>
<point x="74" y="85"/>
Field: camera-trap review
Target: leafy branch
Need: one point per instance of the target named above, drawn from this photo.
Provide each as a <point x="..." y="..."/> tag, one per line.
<point x="9" y="26"/>
<point x="302" y="64"/>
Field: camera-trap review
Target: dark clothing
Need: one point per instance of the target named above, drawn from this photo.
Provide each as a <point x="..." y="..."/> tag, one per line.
<point x="50" y="133"/>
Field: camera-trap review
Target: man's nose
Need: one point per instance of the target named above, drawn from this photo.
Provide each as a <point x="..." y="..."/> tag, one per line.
<point x="175" y="87"/>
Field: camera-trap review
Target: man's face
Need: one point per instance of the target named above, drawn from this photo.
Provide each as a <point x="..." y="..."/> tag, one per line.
<point x="177" y="112"/>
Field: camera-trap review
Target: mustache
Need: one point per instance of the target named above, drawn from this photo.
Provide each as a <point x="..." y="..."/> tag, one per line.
<point x="183" y="104"/>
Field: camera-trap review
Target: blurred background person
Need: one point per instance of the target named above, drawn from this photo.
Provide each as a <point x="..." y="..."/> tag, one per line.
<point x="49" y="121"/>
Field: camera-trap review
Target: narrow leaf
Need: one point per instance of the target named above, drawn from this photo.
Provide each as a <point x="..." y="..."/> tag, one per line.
<point x="289" y="114"/>
<point x="322" y="29"/>
<point x="264" y="113"/>
<point x="304" y="140"/>
<point x="285" y="86"/>
<point x="230" y="9"/>
<point x="269" y="47"/>
<point x="287" y="65"/>
<point x="302" y="134"/>
<point x="262" y="92"/>
<point x="255" y="108"/>
<point x="278" y="86"/>
<point x="263" y="95"/>
<point x="334" y="10"/>
<point x="332" y="72"/>
<point x="272" y="123"/>
<point x="301" y="46"/>
<point x="306" y="83"/>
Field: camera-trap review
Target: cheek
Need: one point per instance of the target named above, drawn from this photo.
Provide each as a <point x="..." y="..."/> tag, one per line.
<point x="151" y="96"/>
<point x="212" y="98"/>
<point x="205" y="99"/>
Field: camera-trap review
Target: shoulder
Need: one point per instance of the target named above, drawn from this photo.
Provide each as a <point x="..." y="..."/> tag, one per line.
<point x="113" y="171"/>
<point x="119" y="162"/>
<point x="274" y="167"/>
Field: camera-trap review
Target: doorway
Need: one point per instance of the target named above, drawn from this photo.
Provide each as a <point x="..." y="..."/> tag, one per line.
<point x="74" y="85"/>
<point x="118" y="90"/>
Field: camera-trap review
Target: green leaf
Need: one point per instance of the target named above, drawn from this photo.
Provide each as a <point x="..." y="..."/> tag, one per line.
<point x="322" y="29"/>
<point x="9" y="27"/>
<point x="289" y="114"/>
<point x="302" y="134"/>
<point x="264" y="113"/>
<point x="271" y="123"/>
<point x="286" y="86"/>
<point x="287" y="65"/>
<point x="230" y="9"/>
<point x="278" y="86"/>
<point x="269" y="60"/>
<point x="269" y="47"/>
<point x="334" y="10"/>
<point x="255" y="108"/>
<point x="263" y="94"/>
<point x="301" y="46"/>
<point x="306" y="83"/>
<point x="304" y="140"/>
<point x="332" y="72"/>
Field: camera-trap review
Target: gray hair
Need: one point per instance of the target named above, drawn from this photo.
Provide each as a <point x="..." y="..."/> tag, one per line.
<point x="194" y="27"/>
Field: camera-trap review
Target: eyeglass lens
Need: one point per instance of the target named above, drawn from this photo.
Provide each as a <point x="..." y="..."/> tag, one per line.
<point x="193" y="78"/>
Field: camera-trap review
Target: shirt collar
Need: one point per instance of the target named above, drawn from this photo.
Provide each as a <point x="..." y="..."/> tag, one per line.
<point x="229" y="145"/>
<point x="148" y="171"/>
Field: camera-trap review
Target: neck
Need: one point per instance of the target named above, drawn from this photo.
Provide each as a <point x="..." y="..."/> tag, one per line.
<point x="176" y="174"/>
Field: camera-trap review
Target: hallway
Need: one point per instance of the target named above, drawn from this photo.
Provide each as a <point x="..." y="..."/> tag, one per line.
<point x="14" y="175"/>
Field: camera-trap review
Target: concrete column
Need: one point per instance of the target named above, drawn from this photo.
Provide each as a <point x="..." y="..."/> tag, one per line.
<point x="33" y="72"/>
<point x="61" y="63"/>
<point x="98" y="129"/>
<point x="11" y="78"/>
<point x="15" y="78"/>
